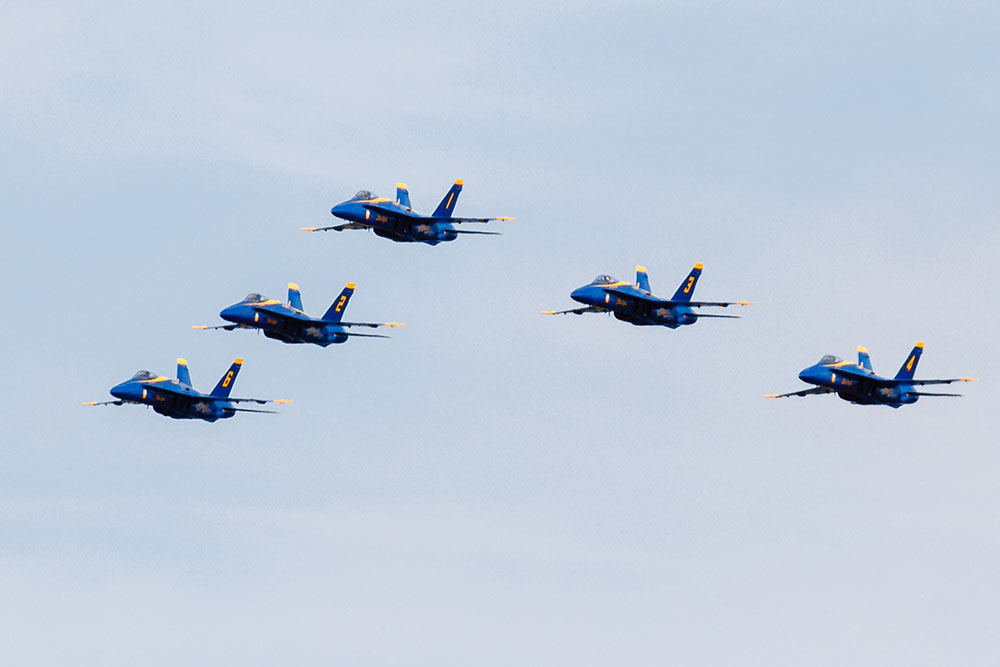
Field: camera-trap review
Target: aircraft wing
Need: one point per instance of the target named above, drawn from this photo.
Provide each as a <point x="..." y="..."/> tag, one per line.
<point x="104" y="403"/>
<point x="370" y="325"/>
<point x="465" y="220"/>
<point x="854" y="373"/>
<point x="338" y="228"/>
<point x="227" y="327"/>
<point x="924" y="382"/>
<point x="669" y="302"/>
<point x="416" y="217"/>
<point x="575" y="311"/>
<point x="167" y="389"/>
<point x="804" y="392"/>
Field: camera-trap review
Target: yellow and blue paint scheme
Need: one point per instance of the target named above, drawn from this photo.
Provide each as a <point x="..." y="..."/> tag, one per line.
<point x="634" y="302"/>
<point x="395" y="219"/>
<point x="859" y="384"/>
<point x="288" y="323"/>
<point x="177" y="399"/>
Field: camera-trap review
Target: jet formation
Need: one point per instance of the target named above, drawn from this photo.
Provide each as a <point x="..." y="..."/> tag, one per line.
<point x="396" y="220"/>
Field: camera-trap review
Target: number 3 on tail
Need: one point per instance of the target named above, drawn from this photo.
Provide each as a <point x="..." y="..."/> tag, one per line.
<point x="687" y="288"/>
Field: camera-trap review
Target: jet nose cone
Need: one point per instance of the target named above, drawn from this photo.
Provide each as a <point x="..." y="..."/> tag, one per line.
<point x="581" y="294"/>
<point x="340" y="210"/>
<point x="119" y="391"/>
<point x="230" y="314"/>
<point x="806" y="374"/>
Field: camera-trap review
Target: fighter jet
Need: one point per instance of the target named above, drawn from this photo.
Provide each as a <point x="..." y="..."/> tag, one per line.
<point x="176" y="398"/>
<point x="396" y="220"/>
<point x="637" y="305"/>
<point x="288" y="323"/>
<point x="859" y="384"/>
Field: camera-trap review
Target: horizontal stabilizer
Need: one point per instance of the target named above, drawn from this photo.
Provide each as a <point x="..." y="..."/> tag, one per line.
<point x="361" y="335"/>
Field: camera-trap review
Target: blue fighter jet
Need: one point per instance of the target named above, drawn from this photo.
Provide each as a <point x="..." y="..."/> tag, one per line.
<point x="286" y="321"/>
<point x="637" y="305"/>
<point x="857" y="383"/>
<point x="394" y="219"/>
<point x="176" y="398"/>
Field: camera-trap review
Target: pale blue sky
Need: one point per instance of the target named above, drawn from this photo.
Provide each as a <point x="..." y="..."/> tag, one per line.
<point x="492" y="486"/>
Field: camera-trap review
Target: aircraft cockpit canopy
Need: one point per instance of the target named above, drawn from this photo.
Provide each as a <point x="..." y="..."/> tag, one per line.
<point x="143" y="375"/>
<point x="252" y="297"/>
<point x="604" y="280"/>
<point x="363" y="194"/>
<point x="829" y="359"/>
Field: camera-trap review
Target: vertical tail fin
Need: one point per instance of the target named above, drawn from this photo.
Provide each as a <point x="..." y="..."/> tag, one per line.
<point x="909" y="367"/>
<point x="183" y="374"/>
<point x="402" y="195"/>
<point x="447" y="206"/>
<point x="864" y="360"/>
<point x="641" y="278"/>
<point x="686" y="290"/>
<point x="228" y="380"/>
<point x="336" y="311"/>
<point x="294" y="296"/>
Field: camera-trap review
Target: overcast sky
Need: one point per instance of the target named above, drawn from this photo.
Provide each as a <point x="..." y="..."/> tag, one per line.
<point x="492" y="486"/>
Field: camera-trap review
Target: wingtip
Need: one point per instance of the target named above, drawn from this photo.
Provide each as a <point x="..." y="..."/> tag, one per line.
<point x="89" y="403"/>
<point x="284" y="401"/>
<point x="968" y="379"/>
<point x="548" y="312"/>
<point x="746" y="303"/>
<point x="771" y="396"/>
<point x="308" y="229"/>
<point x="506" y="217"/>
<point x="201" y="327"/>
<point x="395" y="324"/>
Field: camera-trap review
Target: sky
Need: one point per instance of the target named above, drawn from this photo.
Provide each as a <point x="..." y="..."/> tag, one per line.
<point x="493" y="486"/>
